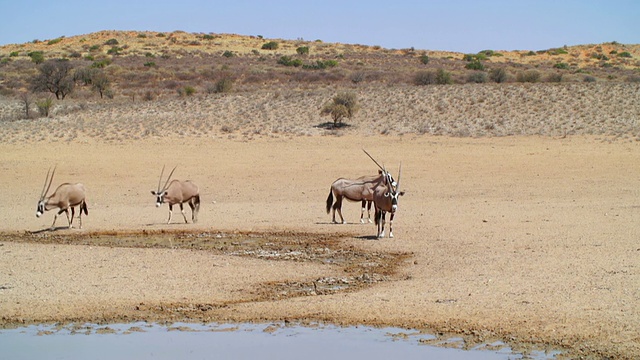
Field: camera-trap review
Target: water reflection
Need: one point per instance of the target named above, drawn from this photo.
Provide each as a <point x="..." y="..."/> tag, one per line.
<point x="245" y="341"/>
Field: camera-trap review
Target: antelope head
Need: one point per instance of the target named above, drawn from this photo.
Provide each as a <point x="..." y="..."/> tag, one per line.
<point x="160" y="193"/>
<point x="45" y="189"/>
<point x="394" y="190"/>
<point x="387" y="176"/>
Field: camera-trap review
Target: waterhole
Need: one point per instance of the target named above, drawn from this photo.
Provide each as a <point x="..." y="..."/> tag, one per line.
<point x="244" y="341"/>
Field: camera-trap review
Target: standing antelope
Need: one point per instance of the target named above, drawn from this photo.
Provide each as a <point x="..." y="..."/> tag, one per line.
<point x="360" y="189"/>
<point x="66" y="196"/>
<point x="178" y="192"/>
<point x="385" y="199"/>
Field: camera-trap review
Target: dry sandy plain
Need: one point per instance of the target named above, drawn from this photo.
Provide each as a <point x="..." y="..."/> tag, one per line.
<point x="531" y="238"/>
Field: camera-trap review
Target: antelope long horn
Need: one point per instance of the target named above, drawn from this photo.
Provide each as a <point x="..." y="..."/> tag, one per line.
<point x="46" y="180"/>
<point x="398" y="181"/>
<point x="374" y="160"/>
<point x="160" y="180"/>
<point x="50" y="181"/>
<point x="169" y="178"/>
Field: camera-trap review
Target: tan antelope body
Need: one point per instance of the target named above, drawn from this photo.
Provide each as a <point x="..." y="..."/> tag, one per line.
<point x="178" y="192"/>
<point x="64" y="197"/>
<point x="360" y="189"/>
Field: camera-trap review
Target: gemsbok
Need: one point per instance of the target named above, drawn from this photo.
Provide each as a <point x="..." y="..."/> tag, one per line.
<point x="360" y="189"/>
<point x="178" y="192"/>
<point x="66" y="196"/>
<point x="385" y="200"/>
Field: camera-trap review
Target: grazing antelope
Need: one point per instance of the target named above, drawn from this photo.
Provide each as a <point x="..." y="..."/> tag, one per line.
<point x="178" y="192"/>
<point x="66" y="196"/>
<point x="360" y="189"/>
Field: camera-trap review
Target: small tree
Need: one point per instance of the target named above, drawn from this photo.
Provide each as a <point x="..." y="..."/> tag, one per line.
<point x="26" y="99"/>
<point x="100" y="82"/>
<point x="55" y="76"/>
<point x="271" y="45"/>
<point x="343" y="105"/>
<point x="302" y="50"/>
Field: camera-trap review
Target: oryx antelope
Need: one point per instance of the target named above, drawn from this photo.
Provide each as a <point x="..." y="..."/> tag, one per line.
<point x="66" y="196"/>
<point x="385" y="200"/>
<point x="360" y="189"/>
<point x="178" y="192"/>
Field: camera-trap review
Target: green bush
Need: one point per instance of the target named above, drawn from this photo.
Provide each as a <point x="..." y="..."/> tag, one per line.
<point x="44" y="106"/>
<point x="288" y="61"/>
<point x="223" y="85"/>
<point x="424" y="78"/>
<point x="150" y="64"/>
<point x="271" y="45"/>
<point x="302" y="50"/>
<point x="321" y="65"/>
<point x="115" y="50"/>
<point x="14" y="53"/>
<point x="189" y="90"/>
<point x="111" y="42"/>
<point x="443" y="77"/>
<point x="475" y="65"/>
<point x="36" y="56"/>
<point x="424" y="59"/>
<point x="625" y="54"/>
<point x="101" y="63"/>
<point x="228" y="54"/>
<point x="54" y="41"/>
<point x="563" y="66"/>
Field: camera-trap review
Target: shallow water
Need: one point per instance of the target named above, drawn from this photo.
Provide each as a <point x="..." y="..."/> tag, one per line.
<point x="214" y="341"/>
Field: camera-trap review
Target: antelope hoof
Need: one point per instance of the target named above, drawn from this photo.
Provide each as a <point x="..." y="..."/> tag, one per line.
<point x="361" y="221"/>
<point x="370" y="222"/>
<point x="390" y="235"/>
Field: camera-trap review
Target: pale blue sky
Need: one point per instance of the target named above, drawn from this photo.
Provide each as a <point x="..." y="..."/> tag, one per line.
<point x="457" y="25"/>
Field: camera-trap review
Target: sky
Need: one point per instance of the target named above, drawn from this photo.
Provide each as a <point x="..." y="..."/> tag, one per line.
<point x="466" y="26"/>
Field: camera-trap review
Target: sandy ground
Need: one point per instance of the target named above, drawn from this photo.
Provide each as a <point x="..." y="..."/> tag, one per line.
<point x="525" y="239"/>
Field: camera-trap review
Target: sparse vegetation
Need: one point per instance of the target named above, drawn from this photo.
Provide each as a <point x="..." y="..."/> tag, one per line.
<point x="54" y="76"/>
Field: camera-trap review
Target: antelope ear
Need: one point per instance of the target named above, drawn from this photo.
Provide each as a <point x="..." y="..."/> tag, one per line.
<point x="401" y="193"/>
<point x="153" y="192"/>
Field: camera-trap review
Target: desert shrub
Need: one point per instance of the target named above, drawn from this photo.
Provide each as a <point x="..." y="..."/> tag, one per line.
<point x="288" y="61"/>
<point x="302" y="50"/>
<point x="223" y="85"/>
<point x="358" y="77"/>
<point x="36" y="56"/>
<point x="111" y="42"/>
<point x="271" y="45"/>
<point x="148" y="96"/>
<point x="208" y="37"/>
<point x="477" y="77"/>
<point x="561" y="65"/>
<point x="554" y="78"/>
<point x="475" y="65"/>
<point x="54" y="41"/>
<point x="443" y="77"/>
<point x="343" y="105"/>
<point x="14" y="54"/>
<point x="150" y="64"/>
<point x="321" y="65"/>
<point x="101" y="63"/>
<point x="149" y="55"/>
<point x="424" y="59"/>
<point x="498" y="75"/>
<point x="189" y="90"/>
<point x="625" y="54"/>
<point x="228" y="54"/>
<point x="424" y="78"/>
<point x="589" y="79"/>
<point x="529" y="76"/>
<point x="44" y="106"/>
<point x="115" y="50"/>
